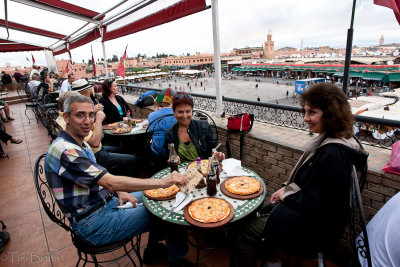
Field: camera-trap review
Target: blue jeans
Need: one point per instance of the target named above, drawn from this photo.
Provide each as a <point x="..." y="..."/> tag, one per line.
<point x="115" y="162"/>
<point x="107" y="225"/>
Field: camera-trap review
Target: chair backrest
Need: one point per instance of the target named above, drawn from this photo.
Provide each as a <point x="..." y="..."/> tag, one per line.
<point x="203" y="116"/>
<point x="162" y="123"/>
<point x="359" y="242"/>
<point x="46" y="196"/>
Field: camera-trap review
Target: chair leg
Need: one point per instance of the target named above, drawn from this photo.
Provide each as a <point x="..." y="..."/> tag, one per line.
<point x="94" y="260"/>
<point x="129" y="256"/>
<point x="27" y="116"/>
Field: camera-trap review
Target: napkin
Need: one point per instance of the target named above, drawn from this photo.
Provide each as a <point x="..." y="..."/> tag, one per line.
<point x="233" y="167"/>
<point x="186" y="201"/>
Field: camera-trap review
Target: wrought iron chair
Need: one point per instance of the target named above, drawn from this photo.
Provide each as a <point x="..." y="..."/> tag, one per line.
<point x="56" y="215"/>
<point x="361" y="244"/>
<point x="53" y="129"/>
<point x="203" y="116"/>
<point x="158" y="160"/>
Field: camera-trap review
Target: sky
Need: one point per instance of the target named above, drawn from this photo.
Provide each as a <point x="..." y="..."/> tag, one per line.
<point x="312" y="23"/>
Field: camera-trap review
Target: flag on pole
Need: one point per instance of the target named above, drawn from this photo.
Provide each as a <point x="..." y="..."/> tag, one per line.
<point x="121" y="66"/>
<point x="33" y="60"/>
<point x="93" y="62"/>
<point x="66" y="68"/>
<point x="28" y="59"/>
<point x="392" y="4"/>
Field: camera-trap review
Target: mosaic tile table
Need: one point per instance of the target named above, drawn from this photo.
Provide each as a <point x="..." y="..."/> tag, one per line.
<point x="242" y="207"/>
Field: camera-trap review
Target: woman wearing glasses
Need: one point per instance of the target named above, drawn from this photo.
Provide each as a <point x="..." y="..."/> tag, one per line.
<point x="115" y="106"/>
<point x="192" y="138"/>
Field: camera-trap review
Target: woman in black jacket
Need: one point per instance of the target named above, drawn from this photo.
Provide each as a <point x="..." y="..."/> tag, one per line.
<point x="312" y="207"/>
<point x="192" y="138"/>
<point x="115" y="106"/>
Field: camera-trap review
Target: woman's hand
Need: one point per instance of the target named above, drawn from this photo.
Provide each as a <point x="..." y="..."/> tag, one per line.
<point x="219" y="156"/>
<point x="275" y="198"/>
<point x="124" y="197"/>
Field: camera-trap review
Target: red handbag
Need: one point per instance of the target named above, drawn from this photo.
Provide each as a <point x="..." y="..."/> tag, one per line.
<point x="239" y="122"/>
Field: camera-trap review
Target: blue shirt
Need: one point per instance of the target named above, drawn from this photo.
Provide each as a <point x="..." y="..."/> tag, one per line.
<point x="121" y="112"/>
<point x="72" y="174"/>
<point x="158" y="128"/>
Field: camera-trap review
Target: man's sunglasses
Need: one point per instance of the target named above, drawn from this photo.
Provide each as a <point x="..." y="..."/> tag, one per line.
<point x="182" y="96"/>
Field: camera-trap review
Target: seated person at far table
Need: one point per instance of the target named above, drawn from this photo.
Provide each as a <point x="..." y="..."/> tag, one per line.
<point x="109" y="157"/>
<point x="192" y="138"/>
<point x="312" y="208"/>
<point x="384" y="235"/>
<point x="83" y="188"/>
<point x="115" y="107"/>
<point x="159" y="124"/>
<point x="7" y="111"/>
<point x="33" y="84"/>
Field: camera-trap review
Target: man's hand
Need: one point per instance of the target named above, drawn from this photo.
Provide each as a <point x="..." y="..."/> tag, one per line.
<point x="100" y="116"/>
<point x="175" y="178"/>
<point x="275" y="198"/>
<point x="124" y="197"/>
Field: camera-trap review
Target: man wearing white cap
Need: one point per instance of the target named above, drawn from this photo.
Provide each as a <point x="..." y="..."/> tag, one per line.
<point x="109" y="157"/>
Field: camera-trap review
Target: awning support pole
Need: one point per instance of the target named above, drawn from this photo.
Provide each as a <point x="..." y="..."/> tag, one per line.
<point x="217" y="57"/>
<point x="104" y="52"/>
<point x="349" y="47"/>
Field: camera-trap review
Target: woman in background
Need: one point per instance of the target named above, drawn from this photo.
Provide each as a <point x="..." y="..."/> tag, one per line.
<point x="115" y="106"/>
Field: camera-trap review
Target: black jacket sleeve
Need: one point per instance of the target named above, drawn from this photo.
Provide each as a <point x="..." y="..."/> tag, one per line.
<point x="324" y="183"/>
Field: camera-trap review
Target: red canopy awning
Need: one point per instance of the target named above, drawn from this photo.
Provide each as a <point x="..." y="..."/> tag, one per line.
<point x="121" y="25"/>
<point x="10" y="46"/>
<point x="179" y="10"/>
<point x="24" y="28"/>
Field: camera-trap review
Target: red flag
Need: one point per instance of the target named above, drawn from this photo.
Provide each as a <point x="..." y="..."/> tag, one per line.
<point x="392" y="4"/>
<point x="94" y="63"/>
<point x="33" y="59"/>
<point x="66" y="68"/>
<point x="121" y="66"/>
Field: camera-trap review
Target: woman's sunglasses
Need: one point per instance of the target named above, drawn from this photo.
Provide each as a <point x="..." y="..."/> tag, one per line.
<point x="182" y="96"/>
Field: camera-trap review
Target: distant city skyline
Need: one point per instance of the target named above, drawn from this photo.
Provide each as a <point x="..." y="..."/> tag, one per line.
<point x="291" y="22"/>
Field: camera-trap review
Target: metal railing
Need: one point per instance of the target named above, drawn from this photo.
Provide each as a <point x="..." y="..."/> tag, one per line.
<point x="372" y="131"/>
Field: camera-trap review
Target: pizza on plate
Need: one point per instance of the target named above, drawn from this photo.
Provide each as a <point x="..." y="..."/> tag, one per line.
<point x="242" y="185"/>
<point x="111" y="126"/>
<point x="203" y="166"/>
<point x="209" y="210"/>
<point x="121" y="130"/>
<point x="162" y="192"/>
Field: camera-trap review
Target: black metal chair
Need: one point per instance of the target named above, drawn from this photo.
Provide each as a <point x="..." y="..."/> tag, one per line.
<point x="358" y="232"/>
<point x="203" y="116"/>
<point x="56" y="215"/>
<point x="160" y="124"/>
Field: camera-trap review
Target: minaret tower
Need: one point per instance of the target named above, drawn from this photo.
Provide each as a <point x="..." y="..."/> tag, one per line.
<point x="269" y="47"/>
<point x="381" y="41"/>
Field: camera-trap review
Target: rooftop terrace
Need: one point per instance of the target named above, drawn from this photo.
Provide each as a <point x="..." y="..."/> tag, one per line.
<point x="269" y="150"/>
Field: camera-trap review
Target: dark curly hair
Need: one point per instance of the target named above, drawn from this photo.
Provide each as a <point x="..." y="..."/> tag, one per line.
<point x="337" y="118"/>
<point x="182" y="98"/>
<point x="106" y="87"/>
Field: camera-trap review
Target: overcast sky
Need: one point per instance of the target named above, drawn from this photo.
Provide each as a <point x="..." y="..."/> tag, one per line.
<point x="242" y="23"/>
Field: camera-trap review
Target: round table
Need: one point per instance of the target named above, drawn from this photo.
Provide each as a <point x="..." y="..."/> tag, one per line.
<point x="139" y="129"/>
<point x="242" y="207"/>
